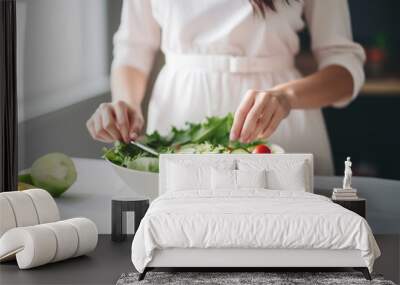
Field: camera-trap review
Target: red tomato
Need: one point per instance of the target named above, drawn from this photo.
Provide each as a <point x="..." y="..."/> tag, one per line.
<point x="262" y="148"/>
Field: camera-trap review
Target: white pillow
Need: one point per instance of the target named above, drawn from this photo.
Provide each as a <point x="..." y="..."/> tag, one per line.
<point x="223" y="179"/>
<point x="290" y="175"/>
<point x="291" y="179"/>
<point x="227" y="179"/>
<point x="251" y="178"/>
<point x="183" y="175"/>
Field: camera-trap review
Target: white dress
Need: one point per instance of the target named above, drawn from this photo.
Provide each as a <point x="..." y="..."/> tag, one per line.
<point x="218" y="49"/>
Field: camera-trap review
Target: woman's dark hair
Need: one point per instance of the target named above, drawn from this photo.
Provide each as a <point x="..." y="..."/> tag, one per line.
<point x="262" y="5"/>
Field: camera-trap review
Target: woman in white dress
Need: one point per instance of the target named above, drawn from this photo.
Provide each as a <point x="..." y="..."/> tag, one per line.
<point x="232" y="56"/>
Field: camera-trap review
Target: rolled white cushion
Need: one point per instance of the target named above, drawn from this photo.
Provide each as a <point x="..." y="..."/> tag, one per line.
<point x="67" y="239"/>
<point x="7" y="218"/>
<point x="40" y="244"/>
<point x="33" y="246"/>
<point x="23" y="208"/>
<point x="46" y="207"/>
<point x="87" y="234"/>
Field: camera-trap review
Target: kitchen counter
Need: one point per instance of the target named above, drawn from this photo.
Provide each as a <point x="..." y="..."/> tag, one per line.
<point x="90" y="196"/>
<point x="381" y="87"/>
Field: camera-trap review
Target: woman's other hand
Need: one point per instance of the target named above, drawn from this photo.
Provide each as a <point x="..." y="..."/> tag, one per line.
<point x="115" y="121"/>
<point x="259" y="114"/>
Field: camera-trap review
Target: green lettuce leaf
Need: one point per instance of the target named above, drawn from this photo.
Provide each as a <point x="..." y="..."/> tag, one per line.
<point x="208" y="136"/>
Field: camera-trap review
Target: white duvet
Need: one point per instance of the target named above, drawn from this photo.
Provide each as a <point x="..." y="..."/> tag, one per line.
<point x="250" y="219"/>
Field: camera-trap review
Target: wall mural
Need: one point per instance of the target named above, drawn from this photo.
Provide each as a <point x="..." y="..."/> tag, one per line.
<point x="141" y="134"/>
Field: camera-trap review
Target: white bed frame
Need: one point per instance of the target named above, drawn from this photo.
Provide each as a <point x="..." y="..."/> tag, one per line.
<point x="250" y="257"/>
<point x="241" y="258"/>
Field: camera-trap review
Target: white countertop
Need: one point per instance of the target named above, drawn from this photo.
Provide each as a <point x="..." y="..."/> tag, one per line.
<point x="90" y="196"/>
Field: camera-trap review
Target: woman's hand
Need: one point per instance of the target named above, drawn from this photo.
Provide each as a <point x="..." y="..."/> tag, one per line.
<point x="115" y="121"/>
<point x="259" y="114"/>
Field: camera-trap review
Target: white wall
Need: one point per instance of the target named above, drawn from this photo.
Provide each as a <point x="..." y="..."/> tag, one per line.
<point x="62" y="54"/>
<point x="63" y="129"/>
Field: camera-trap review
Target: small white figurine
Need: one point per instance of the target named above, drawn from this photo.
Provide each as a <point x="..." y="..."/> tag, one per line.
<point x="347" y="174"/>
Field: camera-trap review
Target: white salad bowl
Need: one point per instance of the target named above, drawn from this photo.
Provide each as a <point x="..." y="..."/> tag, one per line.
<point x="145" y="184"/>
<point x="276" y="149"/>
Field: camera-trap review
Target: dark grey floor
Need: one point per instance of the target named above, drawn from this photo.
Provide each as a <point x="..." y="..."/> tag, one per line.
<point x="103" y="266"/>
<point x="110" y="260"/>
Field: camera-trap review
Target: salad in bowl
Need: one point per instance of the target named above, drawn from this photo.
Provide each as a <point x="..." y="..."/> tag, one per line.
<point x="139" y="168"/>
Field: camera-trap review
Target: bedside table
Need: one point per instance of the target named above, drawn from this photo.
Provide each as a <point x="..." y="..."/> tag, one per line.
<point x="120" y="205"/>
<point x="357" y="206"/>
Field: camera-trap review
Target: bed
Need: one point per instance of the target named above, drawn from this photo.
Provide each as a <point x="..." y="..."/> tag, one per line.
<point x="246" y="211"/>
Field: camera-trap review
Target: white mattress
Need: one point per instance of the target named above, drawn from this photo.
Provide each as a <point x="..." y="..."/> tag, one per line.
<point x="258" y="219"/>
